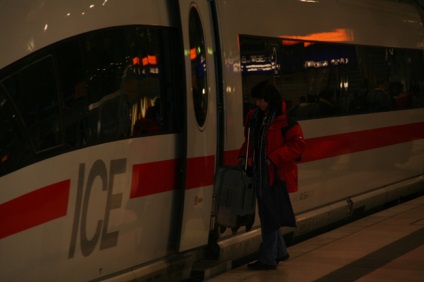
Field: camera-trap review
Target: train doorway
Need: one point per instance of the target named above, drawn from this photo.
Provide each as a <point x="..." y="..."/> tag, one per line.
<point x="201" y="123"/>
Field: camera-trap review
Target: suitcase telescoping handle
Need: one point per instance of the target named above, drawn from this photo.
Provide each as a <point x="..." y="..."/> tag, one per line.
<point x="247" y="148"/>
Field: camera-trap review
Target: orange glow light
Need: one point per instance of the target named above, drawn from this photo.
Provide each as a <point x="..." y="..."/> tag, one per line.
<point x="193" y="53"/>
<point x="337" y="35"/>
<point x="152" y="60"/>
<point x="136" y="61"/>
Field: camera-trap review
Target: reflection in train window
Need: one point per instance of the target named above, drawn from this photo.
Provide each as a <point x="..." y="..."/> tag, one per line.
<point x="326" y="79"/>
<point x="114" y="90"/>
<point x="198" y="68"/>
<point x="96" y="87"/>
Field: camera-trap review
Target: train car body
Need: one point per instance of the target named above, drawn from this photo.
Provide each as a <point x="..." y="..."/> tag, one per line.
<point x="115" y="116"/>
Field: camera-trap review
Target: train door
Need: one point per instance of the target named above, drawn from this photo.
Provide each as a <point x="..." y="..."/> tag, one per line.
<point x="201" y="121"/>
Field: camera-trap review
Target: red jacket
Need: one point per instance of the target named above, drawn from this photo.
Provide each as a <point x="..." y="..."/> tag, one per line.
<point x="281" y="150"/>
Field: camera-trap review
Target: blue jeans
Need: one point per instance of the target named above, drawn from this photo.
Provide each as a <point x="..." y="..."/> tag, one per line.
<point x="273" y="246"/>
<point x="270" y="213"/>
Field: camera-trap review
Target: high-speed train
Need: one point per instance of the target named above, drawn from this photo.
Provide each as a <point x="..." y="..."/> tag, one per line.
<point x="115" y="116"/>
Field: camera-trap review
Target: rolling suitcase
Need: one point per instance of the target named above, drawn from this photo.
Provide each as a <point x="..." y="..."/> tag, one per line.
<point x="235" y="199"/>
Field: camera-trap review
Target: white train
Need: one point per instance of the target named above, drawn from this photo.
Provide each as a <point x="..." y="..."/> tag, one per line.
<point x="115" y="115"/>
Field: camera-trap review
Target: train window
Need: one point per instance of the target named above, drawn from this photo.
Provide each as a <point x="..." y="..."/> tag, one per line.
<point x="15" y="150"/>
<point x="35" y="94"/>
<point x="118" y="83"/>
<point x="198" y="67"/>
<point x="96" y="87"/>
<point x="328" y="79"/>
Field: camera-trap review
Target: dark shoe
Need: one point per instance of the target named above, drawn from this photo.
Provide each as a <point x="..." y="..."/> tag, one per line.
<point x="283" y="258"/>
<point x="257" y="265"/>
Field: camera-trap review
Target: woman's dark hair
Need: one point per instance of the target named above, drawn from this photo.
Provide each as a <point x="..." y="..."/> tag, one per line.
<point x="267" y="91"/>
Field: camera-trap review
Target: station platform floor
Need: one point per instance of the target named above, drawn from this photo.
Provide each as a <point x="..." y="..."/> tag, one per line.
<point x="385" y="246"/>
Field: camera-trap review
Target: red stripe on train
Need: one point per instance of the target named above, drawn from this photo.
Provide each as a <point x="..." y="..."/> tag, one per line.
<point x="34" y="208"/>
<point x="158" y="177"/>
<point x="153" y="178"/>
<point x="319" y="148"/>
<point x="347" y="143"/>
<point x="201" y="172"/>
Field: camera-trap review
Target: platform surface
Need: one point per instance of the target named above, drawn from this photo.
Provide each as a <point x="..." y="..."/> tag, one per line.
<point x="385" y="246"/>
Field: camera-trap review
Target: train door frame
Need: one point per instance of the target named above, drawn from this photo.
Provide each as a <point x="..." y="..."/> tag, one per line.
<point x="201" y="125"/>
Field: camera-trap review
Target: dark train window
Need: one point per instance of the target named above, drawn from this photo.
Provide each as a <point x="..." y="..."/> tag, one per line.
<point x="327" y="79"/>
<point x="198" y="68"/>
<point x="15" y="150"/>
<point x="34" y="92"/>
<point x="96" y="87"/>
<point x="119" y="83"/>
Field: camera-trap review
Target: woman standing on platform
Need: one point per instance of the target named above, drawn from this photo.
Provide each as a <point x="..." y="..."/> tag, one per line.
<point x="275" y="147"/>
